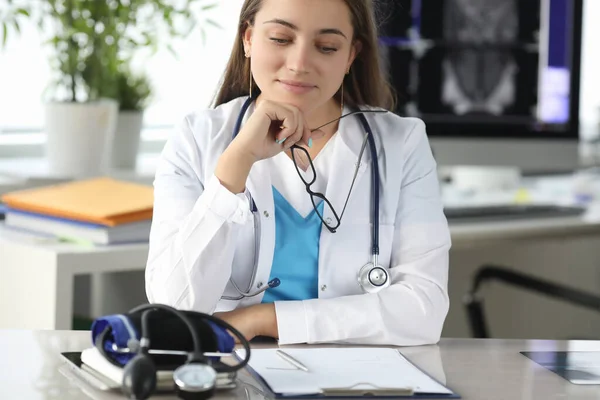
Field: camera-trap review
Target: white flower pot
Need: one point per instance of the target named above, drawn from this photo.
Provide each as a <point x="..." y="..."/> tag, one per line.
<point x="126" y="142"/>
<point x="79" y="137"/>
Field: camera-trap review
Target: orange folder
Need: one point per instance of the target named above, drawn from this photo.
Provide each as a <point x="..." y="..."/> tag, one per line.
<point x="104" y="201"/>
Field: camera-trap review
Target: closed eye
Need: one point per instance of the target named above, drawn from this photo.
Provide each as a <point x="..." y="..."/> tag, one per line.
<point x="280" y="41"/>
<point x="328" y="49"/>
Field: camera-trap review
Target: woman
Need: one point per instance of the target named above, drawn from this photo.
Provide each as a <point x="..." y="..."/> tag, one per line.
<point x="233" y="213"/>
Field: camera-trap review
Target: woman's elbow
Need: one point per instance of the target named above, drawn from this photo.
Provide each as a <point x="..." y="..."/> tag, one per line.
<point x="425" y="325"/>
<point x="435" y="319"/>
<point x="166" y="283"/>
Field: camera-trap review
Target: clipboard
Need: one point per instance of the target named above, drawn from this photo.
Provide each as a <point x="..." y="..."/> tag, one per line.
<point x="363" y="390"/>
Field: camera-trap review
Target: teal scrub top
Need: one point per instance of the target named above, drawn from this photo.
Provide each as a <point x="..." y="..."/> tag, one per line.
<point x="296" y="256"/>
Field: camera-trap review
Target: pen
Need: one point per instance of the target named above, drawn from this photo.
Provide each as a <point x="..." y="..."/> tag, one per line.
<point x="292" y="360"/>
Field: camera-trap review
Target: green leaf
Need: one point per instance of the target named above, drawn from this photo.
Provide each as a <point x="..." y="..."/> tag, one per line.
<point x="172" y="51"/>
<point x="208" y="7"/>
<point x="5" y="34"/>
<point x="23" y="11"/>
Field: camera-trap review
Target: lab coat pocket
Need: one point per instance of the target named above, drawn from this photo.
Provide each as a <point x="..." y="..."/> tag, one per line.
<point x="348" y="251"/>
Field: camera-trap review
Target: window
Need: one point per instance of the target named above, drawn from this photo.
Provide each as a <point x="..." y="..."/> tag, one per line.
<point x="182" y="84"/>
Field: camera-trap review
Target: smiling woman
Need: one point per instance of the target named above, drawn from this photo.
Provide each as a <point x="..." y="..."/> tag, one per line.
<point x="237" y="226"/>
<point x="331" y="46"/>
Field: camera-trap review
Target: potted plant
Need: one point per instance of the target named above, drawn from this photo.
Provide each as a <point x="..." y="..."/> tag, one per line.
<point x="144" y="27"/>
<point x="134" y="94"/>
<point x="93" y="43"/>
<point x="80" y="110"/>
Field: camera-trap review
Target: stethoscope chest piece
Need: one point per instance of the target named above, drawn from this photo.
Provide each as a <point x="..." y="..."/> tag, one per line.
<point x="195" y="381"/>
<point x="372" y="279"/>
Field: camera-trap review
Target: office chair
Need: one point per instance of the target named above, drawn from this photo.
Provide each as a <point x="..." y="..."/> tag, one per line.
<point x="474" y="304"/>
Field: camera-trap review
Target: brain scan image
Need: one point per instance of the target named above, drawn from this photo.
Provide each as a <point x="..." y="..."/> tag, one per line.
<point x="479" y="69"/>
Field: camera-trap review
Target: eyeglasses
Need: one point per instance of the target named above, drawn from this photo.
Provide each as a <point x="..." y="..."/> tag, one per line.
<point x="310" y="176"/>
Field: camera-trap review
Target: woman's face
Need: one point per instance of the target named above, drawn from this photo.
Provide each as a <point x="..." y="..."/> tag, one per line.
<point x="300" y="50"/>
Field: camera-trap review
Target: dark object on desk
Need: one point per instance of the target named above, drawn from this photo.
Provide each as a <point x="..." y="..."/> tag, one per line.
<point x="509" y="212"/>
<point x="474" y="303"/>
<point x="578" y="367"/>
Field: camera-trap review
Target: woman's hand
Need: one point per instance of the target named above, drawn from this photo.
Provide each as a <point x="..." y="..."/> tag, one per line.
<point x="257" y="320"/>
<point x="272" y="128"/>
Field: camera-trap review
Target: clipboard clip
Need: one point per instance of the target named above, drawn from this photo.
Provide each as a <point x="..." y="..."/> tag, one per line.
<point x="373" y="391"/>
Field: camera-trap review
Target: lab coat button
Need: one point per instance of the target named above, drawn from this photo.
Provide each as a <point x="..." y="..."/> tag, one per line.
<point x="323" y="288"/>
<point x="259" y="285"/>
<point x="328" y="220"/>
<point x="266" y="214"/>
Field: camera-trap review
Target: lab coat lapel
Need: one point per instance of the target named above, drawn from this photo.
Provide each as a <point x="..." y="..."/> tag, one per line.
<point x="343" y="165"/>
<point x="259" y="181"/>
<point x="259" y="186"/>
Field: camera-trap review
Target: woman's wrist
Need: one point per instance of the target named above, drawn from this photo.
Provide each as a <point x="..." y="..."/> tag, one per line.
<point x="268" y="317"/>
<point x="233" y="168"/>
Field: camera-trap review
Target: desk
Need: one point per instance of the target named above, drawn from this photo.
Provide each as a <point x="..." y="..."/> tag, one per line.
<point x="476" y="369"/>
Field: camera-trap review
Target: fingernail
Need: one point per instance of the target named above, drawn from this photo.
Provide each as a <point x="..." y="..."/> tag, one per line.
<point x="310" y="143"/>
<point x="280" y="141"/>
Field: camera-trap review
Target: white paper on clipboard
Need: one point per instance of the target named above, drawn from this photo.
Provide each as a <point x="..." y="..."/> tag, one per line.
<point x="360" y="368"/>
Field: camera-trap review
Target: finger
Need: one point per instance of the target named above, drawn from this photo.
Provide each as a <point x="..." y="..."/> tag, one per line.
<point x="288" y="125"/>
<point x="291" y="132"/>
<point x="296" y="136"/>
<point x="307" y="135"/>
<point x="283" y="122"/>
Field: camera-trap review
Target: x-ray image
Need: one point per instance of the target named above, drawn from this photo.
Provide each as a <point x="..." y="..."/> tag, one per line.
<point x="479" y="68"/>
<point x="455" y="61"/>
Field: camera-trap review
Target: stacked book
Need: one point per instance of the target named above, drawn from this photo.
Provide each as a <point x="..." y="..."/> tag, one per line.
<point x="98" y="211"/>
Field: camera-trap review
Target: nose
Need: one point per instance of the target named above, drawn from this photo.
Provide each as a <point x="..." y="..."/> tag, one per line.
<point x="298" y="58"/>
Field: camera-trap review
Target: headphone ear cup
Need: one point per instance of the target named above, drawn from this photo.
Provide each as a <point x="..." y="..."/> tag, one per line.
<point x="139" y="377"/>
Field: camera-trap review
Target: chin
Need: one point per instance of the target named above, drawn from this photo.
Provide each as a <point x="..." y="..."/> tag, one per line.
<point x="305" y="103"/>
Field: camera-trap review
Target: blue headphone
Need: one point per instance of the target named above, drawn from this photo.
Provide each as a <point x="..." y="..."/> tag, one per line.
<point x="372" y="277"/>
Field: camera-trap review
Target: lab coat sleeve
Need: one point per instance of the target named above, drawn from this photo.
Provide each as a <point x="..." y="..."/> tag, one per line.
<point x="194" y="226"/>
<point x="412" y="310"/>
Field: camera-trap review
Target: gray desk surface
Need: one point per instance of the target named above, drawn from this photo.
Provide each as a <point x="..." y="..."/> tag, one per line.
<point x="476" y="369"/>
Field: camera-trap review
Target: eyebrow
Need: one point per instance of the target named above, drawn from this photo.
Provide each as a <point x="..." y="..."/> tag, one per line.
<point x="332" y="31"/>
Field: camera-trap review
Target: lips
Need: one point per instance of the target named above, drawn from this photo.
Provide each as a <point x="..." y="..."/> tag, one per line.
<point x="296" y="86"/>
<point x="296" y="83"/>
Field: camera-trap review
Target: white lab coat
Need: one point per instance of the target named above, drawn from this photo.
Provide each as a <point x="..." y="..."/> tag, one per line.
<point x="202" y="234"/>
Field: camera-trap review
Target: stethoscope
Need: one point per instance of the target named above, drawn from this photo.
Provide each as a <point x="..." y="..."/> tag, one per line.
<point x="372" y="277"/>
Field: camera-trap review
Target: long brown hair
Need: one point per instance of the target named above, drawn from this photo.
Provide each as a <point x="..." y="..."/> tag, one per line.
<point x="365" y="85"/>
